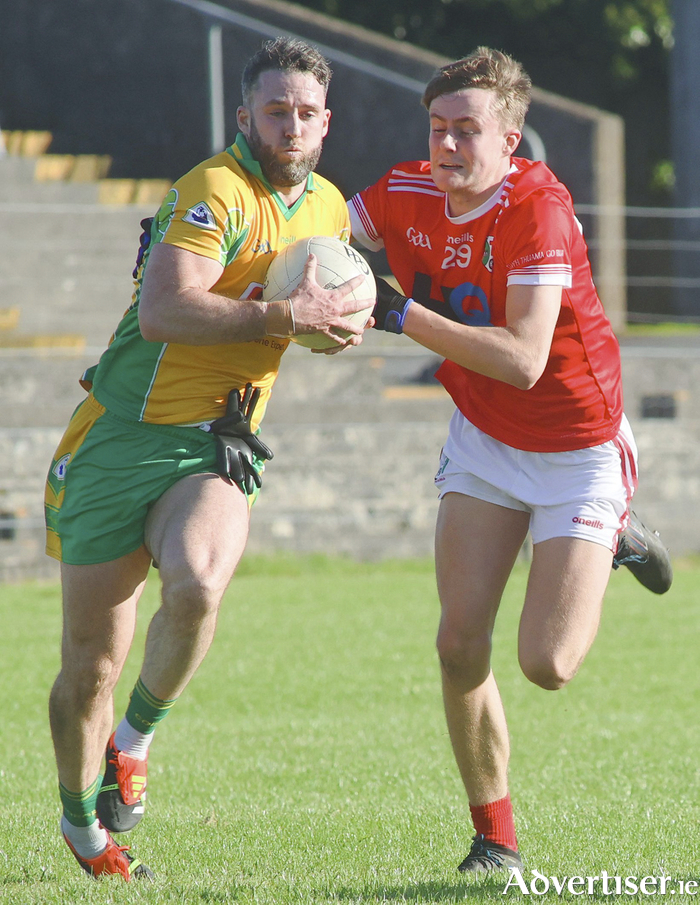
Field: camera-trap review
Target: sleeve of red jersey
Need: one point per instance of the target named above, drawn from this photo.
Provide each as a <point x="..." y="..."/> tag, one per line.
<point x="534" y="241"/>
<point x="367" y="212"/>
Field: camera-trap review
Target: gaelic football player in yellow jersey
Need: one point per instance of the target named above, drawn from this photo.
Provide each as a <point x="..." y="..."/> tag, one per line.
<point x="165" y="449"/>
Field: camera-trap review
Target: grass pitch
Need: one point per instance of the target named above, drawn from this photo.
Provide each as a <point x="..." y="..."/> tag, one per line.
<point x="308" y="762"/>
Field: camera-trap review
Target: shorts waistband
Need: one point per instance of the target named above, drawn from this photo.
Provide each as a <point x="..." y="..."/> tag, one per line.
<point x="180" y="432"/>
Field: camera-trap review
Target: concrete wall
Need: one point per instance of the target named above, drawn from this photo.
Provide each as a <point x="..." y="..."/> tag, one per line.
<point x="662" y="401"/>
<point x="356" y="440"/>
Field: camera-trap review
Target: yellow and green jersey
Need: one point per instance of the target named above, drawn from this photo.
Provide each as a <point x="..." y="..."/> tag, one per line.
<point x="226" y="210"/>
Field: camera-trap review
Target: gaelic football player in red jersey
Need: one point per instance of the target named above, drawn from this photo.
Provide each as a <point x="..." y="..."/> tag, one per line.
<point x="495" y="269"/>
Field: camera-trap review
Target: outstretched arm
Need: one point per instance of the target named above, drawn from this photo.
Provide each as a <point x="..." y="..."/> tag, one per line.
<point x="516" y="354"/>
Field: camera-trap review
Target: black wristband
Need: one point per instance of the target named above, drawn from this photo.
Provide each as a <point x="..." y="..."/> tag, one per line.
<point x="391" y="308"/>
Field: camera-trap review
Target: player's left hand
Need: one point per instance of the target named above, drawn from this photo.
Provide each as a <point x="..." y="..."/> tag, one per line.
<point x="321" y="310"/>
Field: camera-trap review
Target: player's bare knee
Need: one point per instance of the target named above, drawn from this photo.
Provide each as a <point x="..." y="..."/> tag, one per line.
<point x="465" y="659"/>
<point x="547" y="671"/>
<point x="193" y="596"/>
<point x="86" y="681"/>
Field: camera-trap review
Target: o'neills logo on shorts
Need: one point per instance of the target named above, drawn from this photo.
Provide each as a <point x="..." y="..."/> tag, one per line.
<point x="588" y="522"/>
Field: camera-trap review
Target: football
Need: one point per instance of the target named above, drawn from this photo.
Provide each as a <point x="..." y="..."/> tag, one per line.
<point x="337" y="263"/>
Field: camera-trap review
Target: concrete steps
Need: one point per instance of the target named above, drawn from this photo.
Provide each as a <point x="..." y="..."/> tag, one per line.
<point x="25" y="455"/>
<point x="66" y="260"/>
<point x="74" y="232"/>
<point x="65" y="279"/>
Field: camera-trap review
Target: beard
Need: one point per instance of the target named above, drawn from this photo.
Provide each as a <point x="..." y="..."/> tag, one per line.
<point x="281" y="174"/>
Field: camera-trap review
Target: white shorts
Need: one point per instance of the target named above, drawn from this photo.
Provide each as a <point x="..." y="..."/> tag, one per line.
<point x="584" y="493"/>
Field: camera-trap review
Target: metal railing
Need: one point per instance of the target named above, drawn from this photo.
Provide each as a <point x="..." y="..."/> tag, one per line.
<point x="217" y="16"/>
<point x="662" y="252"/>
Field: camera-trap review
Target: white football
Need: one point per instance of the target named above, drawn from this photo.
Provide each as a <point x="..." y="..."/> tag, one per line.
<point x="337" y="263"/>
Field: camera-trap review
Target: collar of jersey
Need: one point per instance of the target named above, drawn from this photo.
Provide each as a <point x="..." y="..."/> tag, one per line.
<point x="490" y="202"/>
<point x="240" y="151"/>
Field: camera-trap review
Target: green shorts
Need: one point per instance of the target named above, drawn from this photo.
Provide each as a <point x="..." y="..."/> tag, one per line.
<point x="106" y="474"/>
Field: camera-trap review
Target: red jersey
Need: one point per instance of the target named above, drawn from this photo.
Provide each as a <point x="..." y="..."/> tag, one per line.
<point x="461" y="267"/>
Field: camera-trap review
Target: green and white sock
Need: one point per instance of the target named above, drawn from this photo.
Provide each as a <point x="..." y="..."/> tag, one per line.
<point x="79" y="822"/>
<point x="134" y="734"/>
<point x="132" y="742"/>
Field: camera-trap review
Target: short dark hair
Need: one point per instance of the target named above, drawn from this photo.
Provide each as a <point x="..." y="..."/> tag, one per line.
<point x="285" y="55"/>
<point x="486" y="68"/>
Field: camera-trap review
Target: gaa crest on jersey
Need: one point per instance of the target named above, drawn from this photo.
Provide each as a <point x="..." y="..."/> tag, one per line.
<point x="200" y="215"/>
<point x="487" y="259"/>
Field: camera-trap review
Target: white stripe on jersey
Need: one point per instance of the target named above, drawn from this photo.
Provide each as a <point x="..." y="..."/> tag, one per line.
<point x="416" y="190"/>
<point x="543" y="268"/>
<point x="541" y="275"/>
<point x="545" y="279"/>
<point x="425" y="177"/>
<point x="418" y="183"/>
<point x="361" y="225"/>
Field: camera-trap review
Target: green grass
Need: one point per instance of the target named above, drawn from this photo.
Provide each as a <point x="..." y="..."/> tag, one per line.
<point x="663" y="328"/>
<point x="308" y="761"/>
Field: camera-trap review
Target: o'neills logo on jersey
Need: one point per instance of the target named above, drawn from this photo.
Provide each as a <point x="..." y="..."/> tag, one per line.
<point x="417" y="238"/>
<point x="588" y="522"/>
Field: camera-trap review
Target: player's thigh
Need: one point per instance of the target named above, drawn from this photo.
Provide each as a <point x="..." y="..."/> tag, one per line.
<point x="99" y="612"/>
<point x="563" y="603"/>
<point x="197" y="531"/>
<point x="476" y="545"/>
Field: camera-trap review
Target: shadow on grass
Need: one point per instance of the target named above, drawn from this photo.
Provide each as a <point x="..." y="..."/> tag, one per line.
<point x="26" y="878"/>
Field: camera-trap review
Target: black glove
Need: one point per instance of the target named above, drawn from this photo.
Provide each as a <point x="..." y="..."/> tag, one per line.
<point x="390" y="309"/>
<point x="144" y="242"/>
<point x="236" y="444"/>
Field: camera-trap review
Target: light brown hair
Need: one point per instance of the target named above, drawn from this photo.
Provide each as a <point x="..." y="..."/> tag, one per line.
<point x="486" y="68"/>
